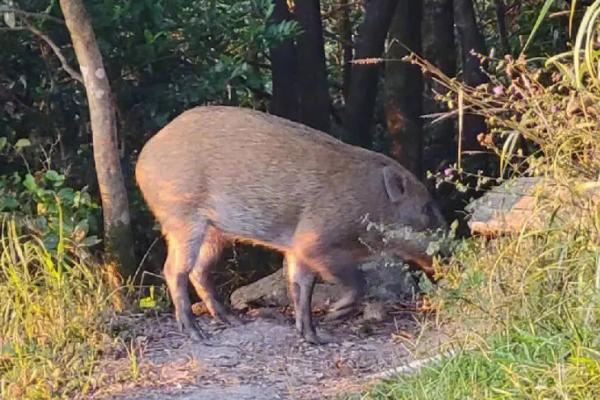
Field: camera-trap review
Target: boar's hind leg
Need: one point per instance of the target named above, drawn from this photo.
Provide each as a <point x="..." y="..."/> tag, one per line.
<point x="183" y="246"/>
<point x="301" y="281"/>
<point x="209" y="253"/>
<point x="353" y="281"/>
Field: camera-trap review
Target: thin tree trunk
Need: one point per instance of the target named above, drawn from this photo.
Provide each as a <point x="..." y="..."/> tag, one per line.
<point x="345" y="28"/>
<point x="115" y="208"/>
<point x="404" y="87"/>
<point x="439" y="48"/>
<point x="471" y="41"/>
<point x="363" y="86"/>
<point x="501" y="22"/>
<point x="312" y="72"/>
<point x="284" y="70"/>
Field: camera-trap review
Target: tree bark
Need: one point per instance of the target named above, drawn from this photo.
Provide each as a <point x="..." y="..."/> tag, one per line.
<point x="115" y="208"/>
<point x="363" y="86"/>
<point x="501" y="23"/>
<point x="312" y="72"/>
<point x="284" y="70"/>
<point x="404" y="87"/>
<point x="471" y="41"/>
<point x="439" y="48"/>
<point x="345" y="29"/>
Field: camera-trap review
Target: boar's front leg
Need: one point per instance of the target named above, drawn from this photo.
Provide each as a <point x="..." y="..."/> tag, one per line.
<point x="183" y="245"/>
<point x="301" y="281"/>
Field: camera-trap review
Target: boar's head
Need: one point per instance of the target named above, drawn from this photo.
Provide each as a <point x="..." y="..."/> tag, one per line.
<point x="412" y="215"/>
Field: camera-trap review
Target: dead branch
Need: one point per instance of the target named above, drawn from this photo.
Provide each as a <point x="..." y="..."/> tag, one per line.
<point x="21" y="13"/>
<point x="68" y="69"/>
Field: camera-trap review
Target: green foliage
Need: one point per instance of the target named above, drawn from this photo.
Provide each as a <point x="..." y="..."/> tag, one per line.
<point x="161" y="57"/>
<point x="538" y="22"/>
<point x="42" y="202"/>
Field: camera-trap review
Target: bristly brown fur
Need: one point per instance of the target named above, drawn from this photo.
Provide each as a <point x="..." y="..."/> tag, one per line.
<point x="215" y="174"/>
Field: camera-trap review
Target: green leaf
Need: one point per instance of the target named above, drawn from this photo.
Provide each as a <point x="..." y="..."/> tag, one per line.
<point x="51" y="241"/>
<point x="538" y="22"/>
<point x="30" y="184"/>
<point x="54" y="176"/>
<point x="8" y="203"/>
<point x="67" y="196"/>
<point x="147" y="303"/>
<point x="91" y="241"/>
<point x="22" y="143"/>
<point x="81" y="230"/>
<point x="433" y="248"/>
<point x="3" y="142"/>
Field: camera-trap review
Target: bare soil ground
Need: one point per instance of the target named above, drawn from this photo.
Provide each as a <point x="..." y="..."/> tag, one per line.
<point x="264" y="358"/>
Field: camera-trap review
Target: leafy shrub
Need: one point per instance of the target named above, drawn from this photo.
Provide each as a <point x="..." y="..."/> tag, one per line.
<point x="43" y="203"/>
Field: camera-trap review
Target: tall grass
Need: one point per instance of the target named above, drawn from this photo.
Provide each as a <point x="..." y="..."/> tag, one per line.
<point x="53" y="317"/>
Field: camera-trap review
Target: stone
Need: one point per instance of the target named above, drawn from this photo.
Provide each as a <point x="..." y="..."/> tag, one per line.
<point x="529" y="202"/>
<point x="384" y="283"/>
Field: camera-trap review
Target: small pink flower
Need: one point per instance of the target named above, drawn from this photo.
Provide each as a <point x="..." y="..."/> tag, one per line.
<point x="498" y="90"/>
<point x="449" y="172"/>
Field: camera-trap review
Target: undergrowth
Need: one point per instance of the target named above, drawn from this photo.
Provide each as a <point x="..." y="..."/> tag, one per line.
<point x="54" y="313"/>
<point x="525" y="307"/>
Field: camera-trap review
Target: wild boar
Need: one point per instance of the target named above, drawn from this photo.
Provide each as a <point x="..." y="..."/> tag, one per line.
<point x="216" y="174"/>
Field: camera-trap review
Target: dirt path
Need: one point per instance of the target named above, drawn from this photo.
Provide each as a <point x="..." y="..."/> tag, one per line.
<point x="263" y="358"/>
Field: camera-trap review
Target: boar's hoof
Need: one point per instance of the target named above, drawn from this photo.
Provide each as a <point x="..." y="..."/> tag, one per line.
<point x="310" y="335"/>
<point x="313" y="338"/>
<point x="187" y="323"/>
<point x="226" y="318"/>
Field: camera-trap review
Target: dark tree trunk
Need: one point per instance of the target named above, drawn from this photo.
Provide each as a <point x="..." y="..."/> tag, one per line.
<point x="404" y="87"/>
<point x="312" y="72"/>
<point x="345" y="28"/>
<point x="439" y="48"/>
<point x="284" y="70"/>
<point x="501" y="22"/>
<point x="363" y="86"/>
<point x="471" y="41"/>
<point x="115" y="207"/>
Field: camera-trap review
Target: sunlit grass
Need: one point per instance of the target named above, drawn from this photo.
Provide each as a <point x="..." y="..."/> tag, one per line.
<point x="526" y="314"/>
<point x="54" y="309"/>
<point x="520" y="365"/>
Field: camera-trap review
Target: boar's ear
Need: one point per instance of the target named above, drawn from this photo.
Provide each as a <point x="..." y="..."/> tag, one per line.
<point x="394" y="184"/>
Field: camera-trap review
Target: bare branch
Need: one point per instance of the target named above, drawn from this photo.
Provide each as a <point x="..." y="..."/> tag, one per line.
<point x="68" y="69"/>
<point x="16" y="28"/>
<point x="21" y="13"/>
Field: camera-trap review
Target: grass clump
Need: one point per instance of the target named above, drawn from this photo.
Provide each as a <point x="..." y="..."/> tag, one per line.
<point x="526" y="314"/>
<point x="522" y="364"/>
<point x="54" y="314"/>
